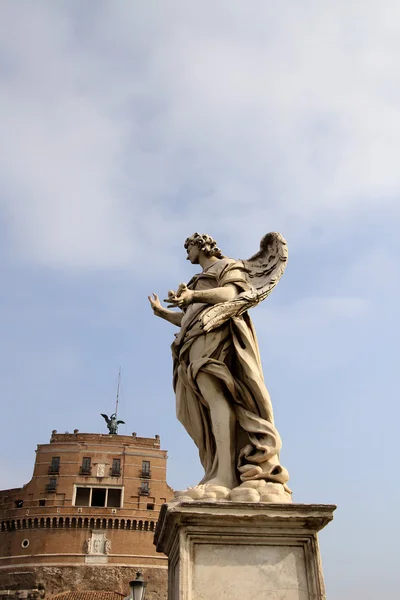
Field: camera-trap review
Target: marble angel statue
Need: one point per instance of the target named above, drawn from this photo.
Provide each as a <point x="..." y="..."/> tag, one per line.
<point x="221" y="398"/>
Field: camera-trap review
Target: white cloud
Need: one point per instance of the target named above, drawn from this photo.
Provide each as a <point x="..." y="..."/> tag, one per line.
<point x="60" y="152"/>
<point x="128" y="124"/>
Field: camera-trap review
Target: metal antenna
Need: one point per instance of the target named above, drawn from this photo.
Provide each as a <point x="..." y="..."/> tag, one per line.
<point x="118" y="386"/>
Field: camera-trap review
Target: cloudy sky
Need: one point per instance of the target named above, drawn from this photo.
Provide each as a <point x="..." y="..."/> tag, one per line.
<point x="127" y="126"/>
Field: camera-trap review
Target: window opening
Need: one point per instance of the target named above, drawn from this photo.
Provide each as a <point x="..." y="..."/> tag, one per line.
<point x="94" y="496"/>
<point x="145" y="468"/>
<point x="55" y="465"/>
<point x="114" y="498"/>
<point x="98" y="497"/>
<point x="144" y="488"/>
<point x="52" y="485"/>
<point x="86" y="465"/>
<point x="116" y="467"/>
<point x="82" y="496"/>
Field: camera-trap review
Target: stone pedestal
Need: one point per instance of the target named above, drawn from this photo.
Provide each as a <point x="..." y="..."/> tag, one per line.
<point x="242" y="551"/>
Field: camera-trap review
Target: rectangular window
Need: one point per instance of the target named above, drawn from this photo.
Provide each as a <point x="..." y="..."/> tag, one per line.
<point x="114" y="498"/>
<point x="94" y="496"/>
<point x="52" y="485"/>
<point x="55" y="465"/>
<point x="98" y="497"/>
<point x="150" y="507"/>
<point x="116" y="467"/>
<point x="82" y="496"/>
<point x="19" y="503"/>
<point x="42" y="502"/>
<point x="144" y="488"/>
<point x="145" y="468"/>
<point x="86" y="465"/>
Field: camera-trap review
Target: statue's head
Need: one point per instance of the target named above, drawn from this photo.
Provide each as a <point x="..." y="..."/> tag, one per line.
<point x="205" y="243"/>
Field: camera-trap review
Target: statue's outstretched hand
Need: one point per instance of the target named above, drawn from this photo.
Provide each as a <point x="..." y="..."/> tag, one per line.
<point x="155" y="304"/>
<point x="160" y="311"/>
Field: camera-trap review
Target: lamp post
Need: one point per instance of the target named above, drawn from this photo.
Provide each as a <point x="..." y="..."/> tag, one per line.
<point x="138" y="587"/>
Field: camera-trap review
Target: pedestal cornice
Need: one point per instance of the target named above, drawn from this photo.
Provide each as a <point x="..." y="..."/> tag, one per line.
<point x="233" y="550"/>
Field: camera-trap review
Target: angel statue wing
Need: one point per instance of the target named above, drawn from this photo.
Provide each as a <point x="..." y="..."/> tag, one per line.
<point x="120" y="422"/>
<point x="107" y="420"/>
<point x="262" y="271"/>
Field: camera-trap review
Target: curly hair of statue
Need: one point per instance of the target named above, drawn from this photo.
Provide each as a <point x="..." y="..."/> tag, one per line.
<point x="205" y="243"/>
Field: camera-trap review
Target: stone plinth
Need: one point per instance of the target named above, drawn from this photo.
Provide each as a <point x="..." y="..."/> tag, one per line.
<point x="242" y="551"/>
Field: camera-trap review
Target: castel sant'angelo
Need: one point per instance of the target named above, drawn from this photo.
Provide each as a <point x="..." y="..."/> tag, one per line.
<point x="86" y="519"/>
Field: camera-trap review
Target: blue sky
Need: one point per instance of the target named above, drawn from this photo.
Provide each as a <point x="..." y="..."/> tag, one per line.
<point x="126" y="127"/>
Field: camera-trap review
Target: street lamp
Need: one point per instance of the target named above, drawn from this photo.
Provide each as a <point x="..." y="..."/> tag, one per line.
<point x="138" y="587"/>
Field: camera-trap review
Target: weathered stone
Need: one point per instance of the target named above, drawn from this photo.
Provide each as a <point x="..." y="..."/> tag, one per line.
<point x="53" y="580"/>
<point x="218" y="378"/>
<point x="243" y="551"/>
<point x="245" y="495"/>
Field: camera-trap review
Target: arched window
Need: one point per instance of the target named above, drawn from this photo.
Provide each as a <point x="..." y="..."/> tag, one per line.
<point x="104" y="524"/>
<point x="146" y="525"/>
<point x="151" y="525"/>
<point x="80" y="522"/>
<point x="98" y="524"/>
<point x="116" y="523"/>
<point x="110" y="523"/>
<point x="42" y="522"/>
<point x="36" y="523"/>
<point x="23" y="524"/>
<point x="48" y="522"/>
<point x="67" y="522"/>
<point x="140" y="525"/>
<point x="91" y="523"/>
<point x="55" y="522"/>
<point x="29" y="523"/>
<point x="134" y="525"/>
<point x="73" y="522"/>
<point x="61" y="522"/>
<point x="122" y="524"/>
<point x="86" y="523"/>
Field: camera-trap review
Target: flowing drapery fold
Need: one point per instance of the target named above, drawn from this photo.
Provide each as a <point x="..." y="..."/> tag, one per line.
<point x="230" y="354"/>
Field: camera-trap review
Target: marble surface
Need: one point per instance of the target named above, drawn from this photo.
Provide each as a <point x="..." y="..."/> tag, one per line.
<point x="229" y="550"/>
<point x="255" y="572"/>
<point x="221" y="396"/>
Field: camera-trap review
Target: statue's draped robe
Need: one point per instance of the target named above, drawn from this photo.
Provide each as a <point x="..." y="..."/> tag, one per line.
<point x="229" y="353"/>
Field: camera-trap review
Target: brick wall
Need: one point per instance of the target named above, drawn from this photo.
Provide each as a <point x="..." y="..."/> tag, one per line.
<point x="46" y="524"/>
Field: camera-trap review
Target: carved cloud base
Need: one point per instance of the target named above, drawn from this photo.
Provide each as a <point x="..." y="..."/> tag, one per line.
<point x="242" y="551"/>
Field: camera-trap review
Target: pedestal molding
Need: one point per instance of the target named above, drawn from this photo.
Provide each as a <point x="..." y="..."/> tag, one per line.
<point x="223" y="541"/>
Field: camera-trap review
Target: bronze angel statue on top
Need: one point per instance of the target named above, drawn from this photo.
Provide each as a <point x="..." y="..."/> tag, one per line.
<point x="221" y="397"/>
<point x="112" y="423"/>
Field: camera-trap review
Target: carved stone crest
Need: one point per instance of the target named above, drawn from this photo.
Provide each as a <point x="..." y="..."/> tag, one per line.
<point x="101" y="469"/>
